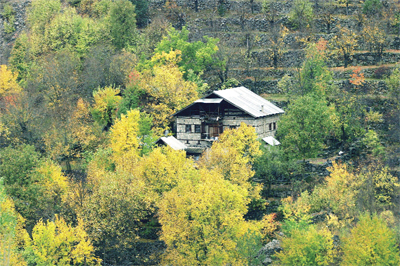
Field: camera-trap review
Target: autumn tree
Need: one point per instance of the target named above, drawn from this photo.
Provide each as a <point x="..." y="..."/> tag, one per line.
<point x="8" y="82"/>
<point x="202" y="221"/>
<point x="370" y="242"/>
<point x="168" y="89"/>
<point x="327" y="16"/>
<point x="114" y="213"/>
<point x="344" y="42"/>
<point x="59" y="243"/>
<point x="376" y="39"/>
<point x="277" y="44"/>
<point x="233" y="156"/>
<point x="104" y="109"/>
<point x="307" y="246"/>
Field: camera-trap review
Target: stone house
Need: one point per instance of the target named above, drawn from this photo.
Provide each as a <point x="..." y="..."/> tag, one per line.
<point x="200" y="123"/>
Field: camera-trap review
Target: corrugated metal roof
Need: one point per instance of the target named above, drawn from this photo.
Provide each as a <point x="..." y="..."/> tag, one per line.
<point x="213" y="100"/>
<point x="249" y="102"/>
<point x="173" y="143"/>
<point x="271" y="141"/>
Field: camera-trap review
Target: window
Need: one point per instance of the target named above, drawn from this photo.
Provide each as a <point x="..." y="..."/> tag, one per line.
<point x="270" y="127"/>
<point x="197" y="129"/>
<point x="188" y="128"/>
<point x="274" y="125"/>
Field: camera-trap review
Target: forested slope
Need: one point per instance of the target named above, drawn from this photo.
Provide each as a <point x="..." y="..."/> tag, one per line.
<point x="87" y="86"/>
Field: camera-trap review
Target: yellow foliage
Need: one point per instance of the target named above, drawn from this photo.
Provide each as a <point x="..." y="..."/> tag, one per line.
<point x="54" y="181"/>
<point x="10" y="229"/>
<point x="8" y="82"/>
<point x="124" y="139"/>
<point x="163" y="169"/>
<point x="57" y="243"/>
<point x="169" y="92"/>
<point x="202" y="219"/>
<point x="233" y="155"/>
<point x="106" y="101"/>
<point x="308" y="246"/>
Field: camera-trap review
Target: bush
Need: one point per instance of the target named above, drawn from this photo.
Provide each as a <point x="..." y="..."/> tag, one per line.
<point x="371" y="242"/>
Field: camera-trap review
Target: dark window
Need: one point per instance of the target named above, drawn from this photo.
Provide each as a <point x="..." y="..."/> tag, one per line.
<point x="270" y="126"/>
<point x="274" y="125"/>
<point x="197" y="129"/>
<point x="188" y="128"/>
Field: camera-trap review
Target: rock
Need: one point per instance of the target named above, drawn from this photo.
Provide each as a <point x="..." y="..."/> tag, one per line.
<point x="268" y="250"/>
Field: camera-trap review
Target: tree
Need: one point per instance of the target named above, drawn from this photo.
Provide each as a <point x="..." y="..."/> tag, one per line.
<point x="305" y="126"/>
<point x="277" y="45"/>
<point x="166" y="91"/>
<point x="372" y="7"/>
<point x="198" y="56"/>
<point x="371" y="242"/>
<point x="272" y="166"/>
<point x="307" y="246"/>
<point x="57" y="242"/>
<point x="233" y="156"/>
<point x="142" y="12"/>
<point x="124" y="139"/>
<point x="36" y="186"/>
<point x="10" y="230"/>
<point x="8" y="82"/>
<point x="315" y="77"/>
<point x="376" y="39"/>
<point x="202" y="221"/>
<point x="114" y="213"/>
<point x="344" y="42"/>
<point x="327" y="15"/>
<point x="122" y="23"/>
<point x="104" y="110"/>
<point x="301" y="14"/>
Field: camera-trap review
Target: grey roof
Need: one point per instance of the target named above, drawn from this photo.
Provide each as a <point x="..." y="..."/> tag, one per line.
<point x="271" y="141"/>
<point x="205" y="100"/>
<point x="173" y="143"/>
<point x="249" y="102"/>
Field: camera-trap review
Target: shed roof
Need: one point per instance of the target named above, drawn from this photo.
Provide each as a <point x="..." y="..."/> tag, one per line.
<point x="271" y="141"/>
<point x="249" y="102"/>
<point x="172" y="142"/>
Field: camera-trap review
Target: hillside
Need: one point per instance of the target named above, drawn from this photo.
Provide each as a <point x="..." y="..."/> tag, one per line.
<point x="87" y="87"/>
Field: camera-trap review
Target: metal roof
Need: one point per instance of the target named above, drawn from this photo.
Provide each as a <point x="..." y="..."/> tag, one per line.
<point x="271" y="141"/>
<point x="173" y="143"/>
<point x="212" y="100"/>
<point x="249" y="102"/>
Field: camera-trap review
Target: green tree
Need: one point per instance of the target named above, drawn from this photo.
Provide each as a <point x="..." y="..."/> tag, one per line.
<point x="122" y="23"/>
<point x="198" y="56"/>
<point x="36" y="186"/>
<point x="304" y="127"/>
<point x="372" y="7"/>
<point x="142" y="12"/>
<point x="371" y="242"/>
<point x="301" y="14"/>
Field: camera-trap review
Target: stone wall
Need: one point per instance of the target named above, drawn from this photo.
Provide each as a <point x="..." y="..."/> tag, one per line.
<point x="7" y="39"/>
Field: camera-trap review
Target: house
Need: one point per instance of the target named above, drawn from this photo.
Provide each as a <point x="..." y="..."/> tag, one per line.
<point x="200" y="123"/>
